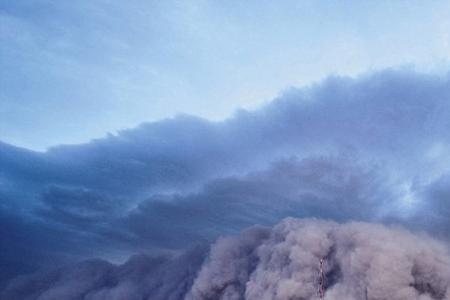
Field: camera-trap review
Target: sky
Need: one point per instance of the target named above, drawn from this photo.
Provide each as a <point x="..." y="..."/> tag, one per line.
<point x="206" y="150"/>
<point x="72" y="71"/>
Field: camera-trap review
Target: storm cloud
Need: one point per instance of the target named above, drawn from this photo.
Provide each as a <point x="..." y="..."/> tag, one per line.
<point x="374" y="148"/>
<point x="362" y="261"/>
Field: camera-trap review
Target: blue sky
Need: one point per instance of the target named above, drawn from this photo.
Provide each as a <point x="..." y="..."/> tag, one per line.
<point x="71" y="71"/>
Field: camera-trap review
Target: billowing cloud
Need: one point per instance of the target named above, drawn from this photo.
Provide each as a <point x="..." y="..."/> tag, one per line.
<point x="361" y="261"/>
<point x="374" y="148"/>
<point x="155" y="277"/>
<point x="391" y="116"/>
<point x="327" y="187"/>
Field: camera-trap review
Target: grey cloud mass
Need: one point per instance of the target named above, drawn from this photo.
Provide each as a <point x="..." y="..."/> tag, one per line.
<point x="362" y="261"/>
<point x="327" y="187"/>
<point x="374" y="148"/>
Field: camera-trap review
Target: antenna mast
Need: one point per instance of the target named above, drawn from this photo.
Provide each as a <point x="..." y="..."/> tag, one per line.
<point x="321" y="288"/>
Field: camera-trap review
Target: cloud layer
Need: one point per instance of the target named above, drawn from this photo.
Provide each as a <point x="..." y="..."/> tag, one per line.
<point x="374" y="148"/>
<point x="362" y="261"/>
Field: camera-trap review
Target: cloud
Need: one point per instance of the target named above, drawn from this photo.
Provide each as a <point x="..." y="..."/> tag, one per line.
<point x="357" y="264"/>
<point x="374" y="148"/>
<point x="433" y="211"/>
<point x="157" y="277"/>
<point x="327" y="187"/>
<point x="379" y="116"/>
<point x="265" y="263"/>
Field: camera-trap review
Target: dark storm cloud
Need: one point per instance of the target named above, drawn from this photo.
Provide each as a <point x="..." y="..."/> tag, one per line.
<point x="26" y="245"/>
<point x="77" y="206"/>
<point x="156" y="277"/>
<point x="327" y="187"/>
<point x="372" y="148"/>
<point x="433" y="207"/>
<point x="262" y="263"/>
<point x="382" y="115"/>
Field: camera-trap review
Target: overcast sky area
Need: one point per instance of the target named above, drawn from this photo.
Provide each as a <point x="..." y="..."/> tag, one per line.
<point x="71" y="71"/>
<point x="219" y="149"/>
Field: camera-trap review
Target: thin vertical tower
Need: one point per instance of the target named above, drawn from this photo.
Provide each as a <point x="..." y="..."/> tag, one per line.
<point x="321" y="287"/>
